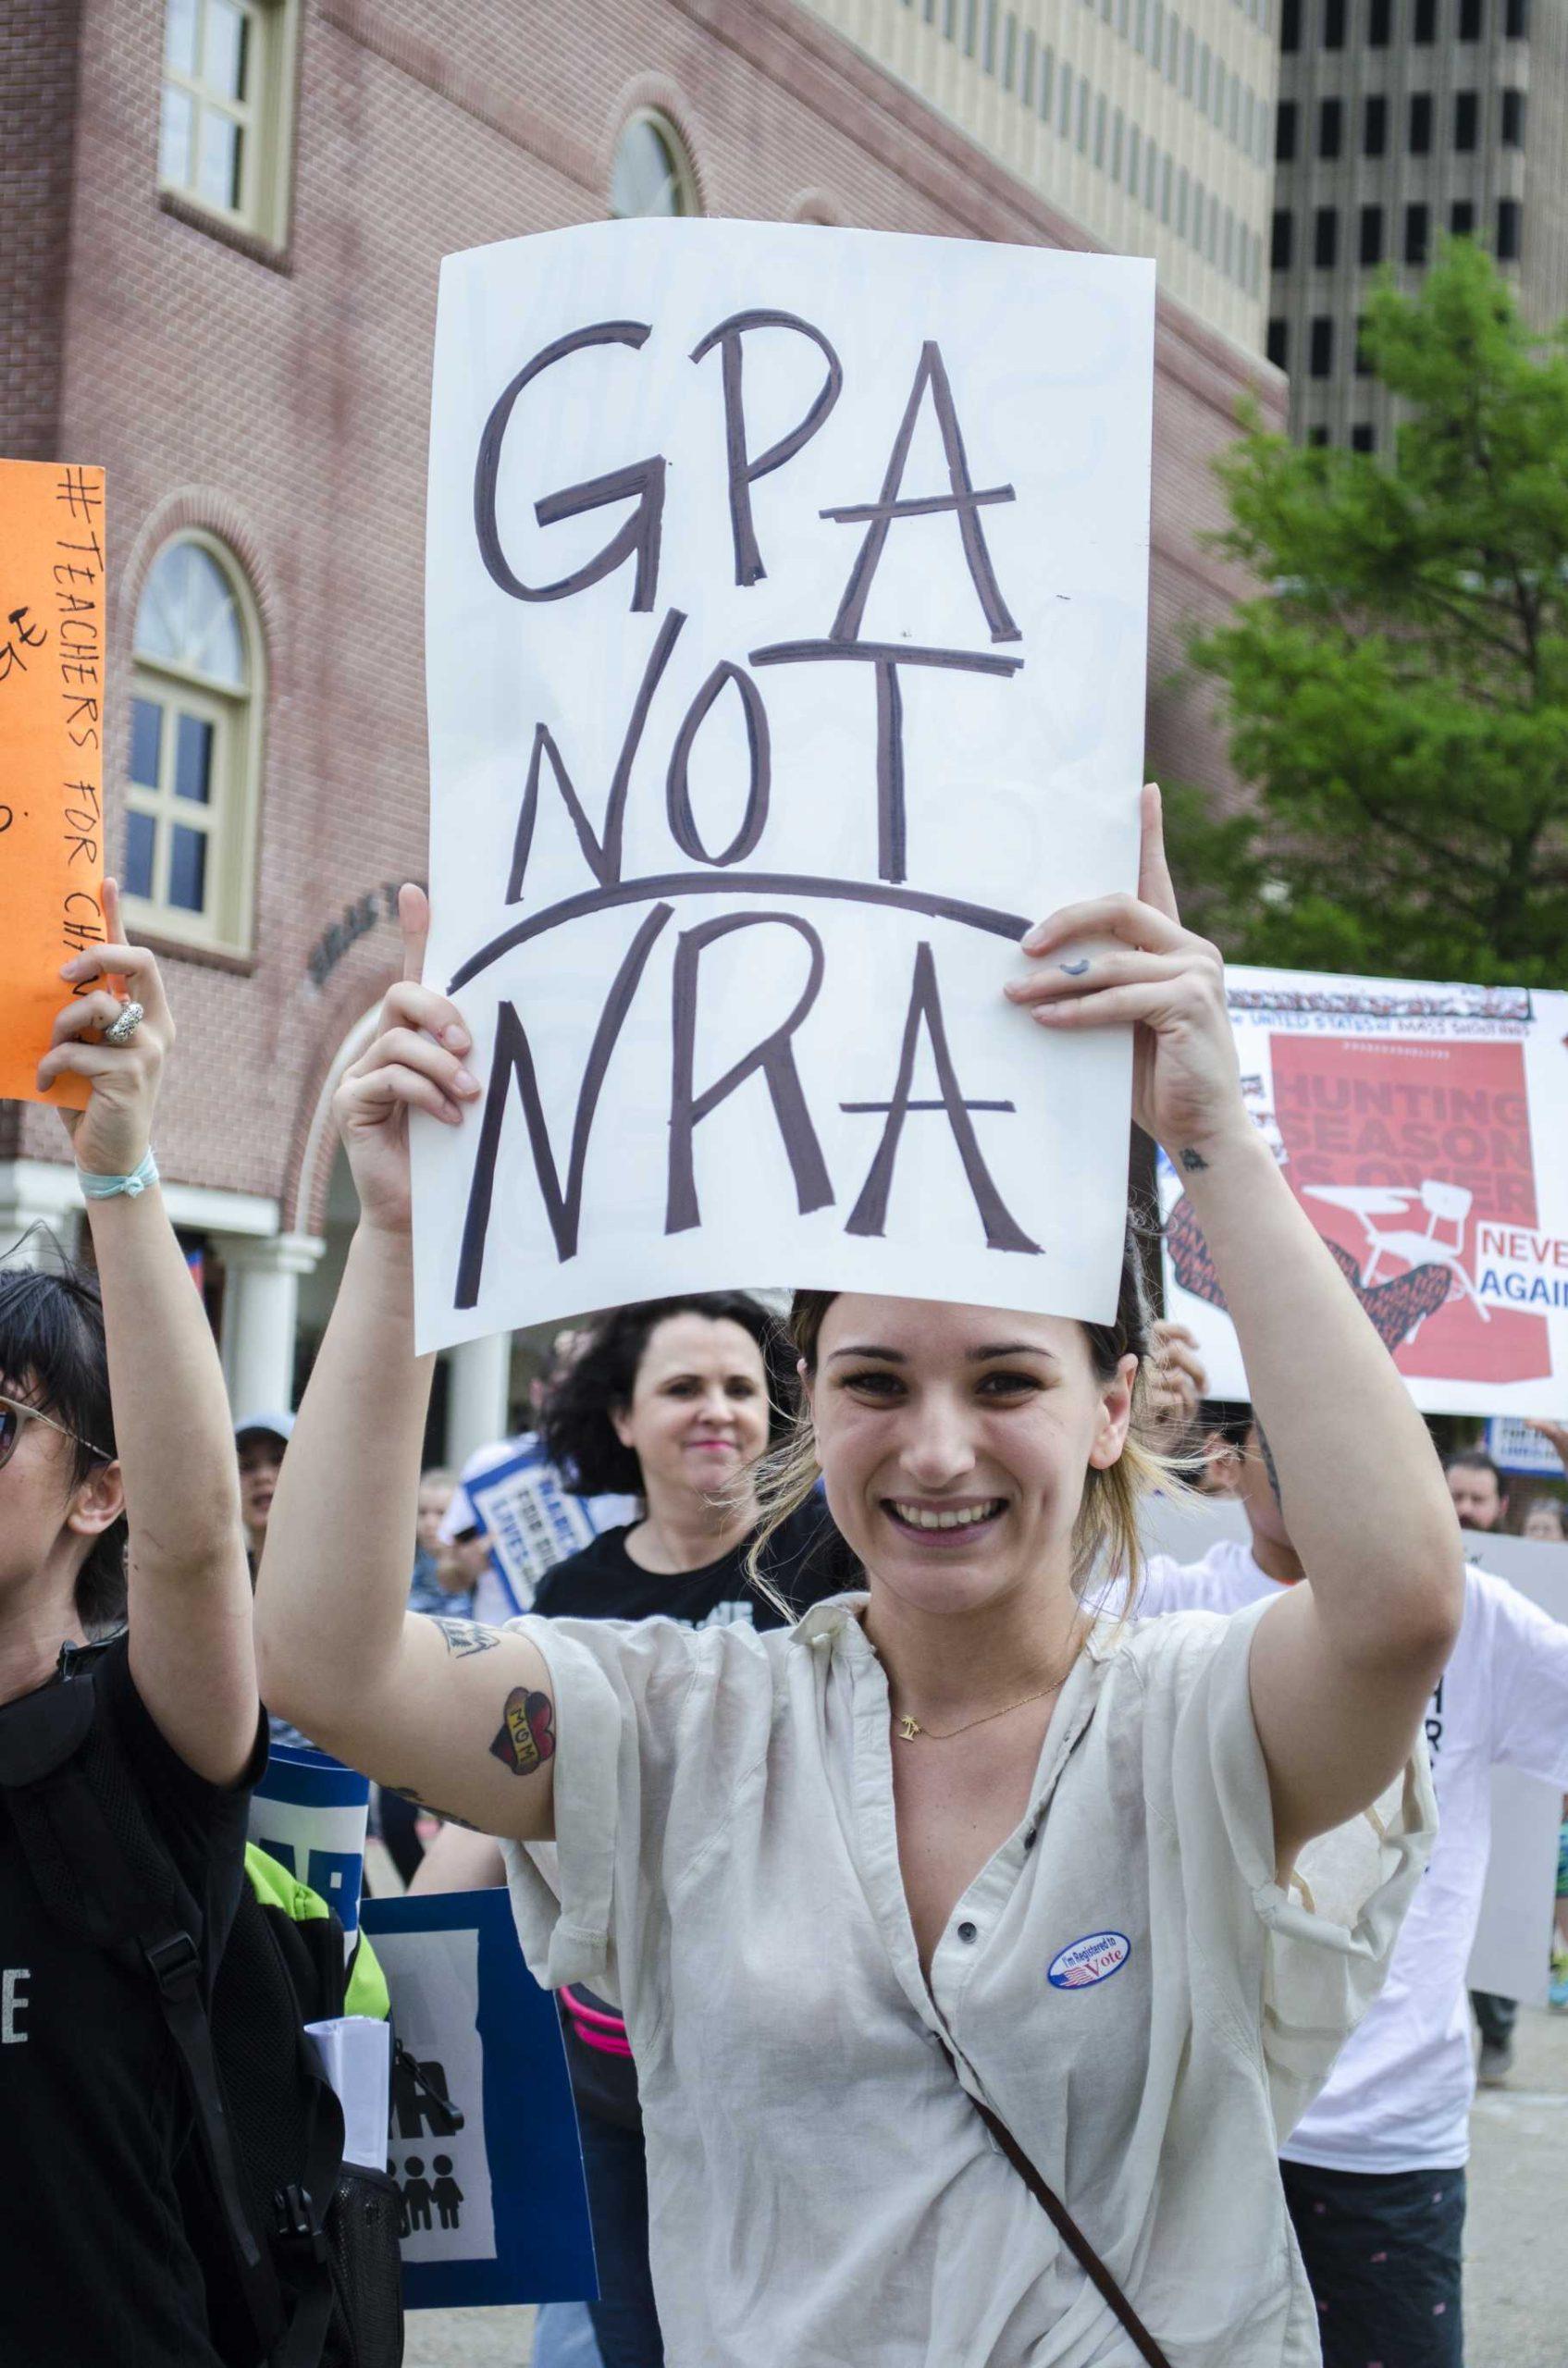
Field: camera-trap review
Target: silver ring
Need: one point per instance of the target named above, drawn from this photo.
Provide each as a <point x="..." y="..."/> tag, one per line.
<point x="126" y="1026"/>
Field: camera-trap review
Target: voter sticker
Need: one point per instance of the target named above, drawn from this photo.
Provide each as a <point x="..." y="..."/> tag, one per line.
<point x="1095" y="1958"/>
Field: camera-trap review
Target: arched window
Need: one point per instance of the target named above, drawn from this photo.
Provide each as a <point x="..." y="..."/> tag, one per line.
<point x="196" y="749"/>
<point x="652" y="173"/>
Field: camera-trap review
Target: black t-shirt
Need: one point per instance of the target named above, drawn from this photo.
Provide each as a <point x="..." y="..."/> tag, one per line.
<point x="806" y="1559"/>
<point x="94" y="2262"/>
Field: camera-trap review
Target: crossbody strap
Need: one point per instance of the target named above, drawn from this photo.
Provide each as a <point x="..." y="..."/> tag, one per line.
<point x="1065" y="2227"/>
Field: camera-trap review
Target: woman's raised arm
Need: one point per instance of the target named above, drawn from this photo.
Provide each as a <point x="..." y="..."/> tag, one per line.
<point x="1341" y="1668"/>
<point x="453" y="1714"/>
<point x="189" y="1590"/>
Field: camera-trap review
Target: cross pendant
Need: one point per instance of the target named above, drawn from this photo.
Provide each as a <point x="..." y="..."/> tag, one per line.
<point x="908" y="1729"/>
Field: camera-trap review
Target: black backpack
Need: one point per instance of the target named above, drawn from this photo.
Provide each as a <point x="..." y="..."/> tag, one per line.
<point x="299" y="2249"/>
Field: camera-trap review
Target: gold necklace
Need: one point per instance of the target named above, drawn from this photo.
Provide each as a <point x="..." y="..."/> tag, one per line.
<point x="908" y="1728"/>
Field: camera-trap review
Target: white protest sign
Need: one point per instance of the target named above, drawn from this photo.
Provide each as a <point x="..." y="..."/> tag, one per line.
<point x="1424" y="1128"/>
<point x="786" y="630"/>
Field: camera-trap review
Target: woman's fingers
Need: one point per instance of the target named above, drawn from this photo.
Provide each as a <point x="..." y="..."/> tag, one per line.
<point x="408" y="1004"/>
<point x="136" y="964"/>
<point x="1091" y="973"/>
<point x="1154" y="885"/>
<point x="379" y="1092"/>
<point x="1127" y="918"/>
<point x="82" y="1060"/>
<point x="406" y="1048"/>
<point x="1153" y="1000"/>
<point x="414" y="919"/>
<point x="99" y="1010"/>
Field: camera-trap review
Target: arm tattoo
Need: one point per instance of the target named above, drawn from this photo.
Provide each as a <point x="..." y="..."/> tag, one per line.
<point x="407" y="1793"/>
<point x="527" y="1732"/>
<point x="466" y="1636"/>
<point x="1194" y="1162"/>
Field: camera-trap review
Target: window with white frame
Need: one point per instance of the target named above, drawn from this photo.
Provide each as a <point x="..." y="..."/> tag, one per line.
<point x="652" y="174"/>
<point x="225" y="123"/>
<point x="193" y="778"/>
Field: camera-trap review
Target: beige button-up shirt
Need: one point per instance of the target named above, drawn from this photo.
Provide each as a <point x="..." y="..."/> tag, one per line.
<point x="1124" y="1982"/>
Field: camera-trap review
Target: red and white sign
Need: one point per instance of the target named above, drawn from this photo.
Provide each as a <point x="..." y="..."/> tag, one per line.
<point x="1424" y="1130"/>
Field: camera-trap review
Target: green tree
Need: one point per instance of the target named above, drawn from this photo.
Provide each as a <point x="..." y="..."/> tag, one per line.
<point x="1398" y="696"/>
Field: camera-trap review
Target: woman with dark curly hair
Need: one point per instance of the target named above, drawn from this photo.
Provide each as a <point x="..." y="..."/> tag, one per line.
<point x="674" y="1401"/>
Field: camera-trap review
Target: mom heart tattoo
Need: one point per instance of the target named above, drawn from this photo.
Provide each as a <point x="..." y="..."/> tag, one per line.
<point x="527" y="1732"/>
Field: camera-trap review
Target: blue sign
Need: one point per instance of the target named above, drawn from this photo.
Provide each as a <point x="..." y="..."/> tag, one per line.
<point x="483" y="2134"/>
<point x="1514" y="1447"/>
<point x="309" y="1813"/>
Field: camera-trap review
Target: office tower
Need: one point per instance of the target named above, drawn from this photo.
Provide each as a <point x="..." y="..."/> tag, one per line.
<point x="1399" y="120"/>
<point x="1147" y="125"/>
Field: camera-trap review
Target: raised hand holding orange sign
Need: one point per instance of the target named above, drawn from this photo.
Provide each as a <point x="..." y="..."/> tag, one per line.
<point x="52" y="686"/>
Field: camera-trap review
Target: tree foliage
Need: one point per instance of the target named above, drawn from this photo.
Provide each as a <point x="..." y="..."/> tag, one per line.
<point x="1398" y="696"/>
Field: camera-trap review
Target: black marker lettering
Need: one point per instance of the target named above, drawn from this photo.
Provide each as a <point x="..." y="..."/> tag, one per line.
<point x="774" y="1056"/>
<point x="744" y="471"/>
<point x="682" y="822"/>
<point x="963" y="499"/>
<point x="602" y="854"/>
<point x="643" y="479"/>
<point x="794" y="884"/>
<point x="869" y="1213"/>
<point x="893" y="858"/>
<point x="515" y="1058"/>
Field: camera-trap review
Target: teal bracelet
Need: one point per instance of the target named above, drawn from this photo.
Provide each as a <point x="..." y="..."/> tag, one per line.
<point x="109" y="1188"/>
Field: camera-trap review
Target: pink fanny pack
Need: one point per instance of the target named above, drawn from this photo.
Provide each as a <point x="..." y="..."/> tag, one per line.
<point x="595" y="2026"/>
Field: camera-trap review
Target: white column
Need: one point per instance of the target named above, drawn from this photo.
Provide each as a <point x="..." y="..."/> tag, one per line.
<point x="38" y="1192"/>
<point x="260" y="1312"/>
<point x="478" y="1394"/>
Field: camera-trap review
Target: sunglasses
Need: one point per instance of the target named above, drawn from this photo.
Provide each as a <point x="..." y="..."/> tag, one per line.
<point x="14" y="1419"/>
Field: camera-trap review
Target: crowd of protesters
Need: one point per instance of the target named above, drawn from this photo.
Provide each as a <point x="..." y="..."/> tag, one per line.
<point x="853" y="1707"/>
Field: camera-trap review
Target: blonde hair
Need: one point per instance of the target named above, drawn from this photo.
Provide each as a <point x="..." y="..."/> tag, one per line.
<point x="1106" y="1539"/>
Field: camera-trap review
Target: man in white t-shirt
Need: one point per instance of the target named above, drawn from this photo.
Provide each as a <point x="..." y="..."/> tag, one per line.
<point x="1375" y="2171"/>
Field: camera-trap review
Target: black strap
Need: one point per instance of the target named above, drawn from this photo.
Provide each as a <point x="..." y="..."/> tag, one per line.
<point x="128" y="1900"/>
<point x="121" y="1911"/>
<point x="1065" y="2227"/>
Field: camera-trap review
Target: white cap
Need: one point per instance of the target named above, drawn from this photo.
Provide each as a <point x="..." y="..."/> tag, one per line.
<point x="276" y="1426"/>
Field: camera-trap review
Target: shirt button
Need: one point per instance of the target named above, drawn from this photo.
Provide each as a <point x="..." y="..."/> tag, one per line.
<point x="969" y="1931"/>
<point x="1030" y="1838"/>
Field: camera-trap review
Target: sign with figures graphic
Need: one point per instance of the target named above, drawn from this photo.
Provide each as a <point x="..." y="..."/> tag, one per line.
<point x="786" y="626"/>
<point x="1424" y="1128"/>
<point x="484" y="2136"/>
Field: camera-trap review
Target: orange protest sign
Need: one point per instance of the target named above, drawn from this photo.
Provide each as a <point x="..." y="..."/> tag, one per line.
<point x="51" y="684"/>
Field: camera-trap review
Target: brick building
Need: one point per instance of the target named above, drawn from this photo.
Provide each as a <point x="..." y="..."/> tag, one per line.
<point x="223" y="224"/>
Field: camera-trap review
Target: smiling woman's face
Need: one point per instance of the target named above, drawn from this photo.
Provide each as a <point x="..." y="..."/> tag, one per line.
<point x="954" y="1443"/>
<point x="699" y="1413"/>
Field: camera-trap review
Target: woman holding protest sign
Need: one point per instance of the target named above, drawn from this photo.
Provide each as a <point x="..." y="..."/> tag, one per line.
<point x="129" y="1723"/>
<point x="953" y="1862"/>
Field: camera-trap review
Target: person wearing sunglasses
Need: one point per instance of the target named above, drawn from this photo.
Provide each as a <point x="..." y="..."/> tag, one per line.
<point x="113" y="1429"/>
